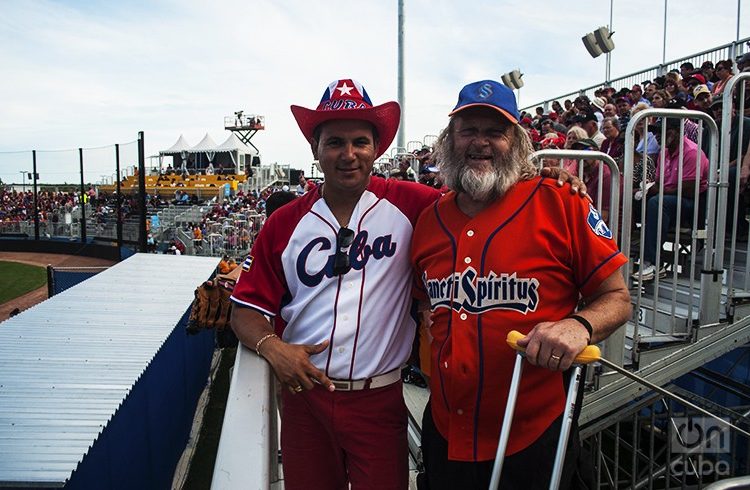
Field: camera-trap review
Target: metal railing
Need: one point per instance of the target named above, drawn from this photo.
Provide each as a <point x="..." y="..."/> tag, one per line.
<point x="652" y="444"/>
<point x="247" y="454"/>
<point x="714" y="54"/>
<point x="648" y="297"/>
<point x="600" y="169"/>
<point x="736" y="279"/>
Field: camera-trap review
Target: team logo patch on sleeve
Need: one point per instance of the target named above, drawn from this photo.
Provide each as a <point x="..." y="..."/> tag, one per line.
<point x="246" y="264"/>
<point x="597" y="224"/>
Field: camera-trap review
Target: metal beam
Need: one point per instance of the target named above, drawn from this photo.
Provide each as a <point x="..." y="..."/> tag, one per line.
<point x="622" y="390"/>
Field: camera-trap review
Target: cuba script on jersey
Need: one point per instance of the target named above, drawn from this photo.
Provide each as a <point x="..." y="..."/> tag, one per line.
<point x="473" y="293"/>
<point x="359" y="253"/>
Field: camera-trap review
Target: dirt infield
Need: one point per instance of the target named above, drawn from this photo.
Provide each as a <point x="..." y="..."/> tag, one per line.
<point x="43" y="260"/>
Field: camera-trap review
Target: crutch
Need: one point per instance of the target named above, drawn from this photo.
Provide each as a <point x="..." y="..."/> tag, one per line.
<point x="588" y="355"/>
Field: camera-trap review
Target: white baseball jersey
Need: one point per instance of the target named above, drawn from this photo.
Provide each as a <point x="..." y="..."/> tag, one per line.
<point x="365" y="313"/>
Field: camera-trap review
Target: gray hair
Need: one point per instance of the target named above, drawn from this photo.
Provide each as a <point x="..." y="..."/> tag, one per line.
<point x="508" y="169"/>
<point x="521" y="149"/>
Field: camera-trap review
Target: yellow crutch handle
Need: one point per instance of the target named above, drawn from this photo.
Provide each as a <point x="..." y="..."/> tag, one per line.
<point x="588" y="355"/>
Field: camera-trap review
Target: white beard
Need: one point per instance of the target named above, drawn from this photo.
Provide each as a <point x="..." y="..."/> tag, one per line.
<point x="481" y="185"/>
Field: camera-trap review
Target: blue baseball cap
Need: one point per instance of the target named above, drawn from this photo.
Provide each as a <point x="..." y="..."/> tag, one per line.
<point x="488" y="93"/>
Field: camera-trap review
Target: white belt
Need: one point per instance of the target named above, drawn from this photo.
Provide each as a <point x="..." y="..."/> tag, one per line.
<point x="378" y="381"/>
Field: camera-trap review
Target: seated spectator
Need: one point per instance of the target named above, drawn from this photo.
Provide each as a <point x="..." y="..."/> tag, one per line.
<point x="588" y="170"/>
<point x="707" y="70"/>
<point x="548" y="127"/>
<point x="661" y="99"/>
<point x="397" y="175"/>
<point x="672" y="88"/>
<point x="686" y="69"/>
<point x="651" y="89"/>
<point x="691" y="127"/>
<point x="552" y="141"/>
<point x="689" y="202"/>
<point x="428" y="176"/>
<point x="702" y="99"/>
<point x="574" y="134"/>
<point x="743" y="62"/>
<point x="533" y="133"/>
<point x="582" y="104"/>
<point x="693" y="81"/>
<point x="623" y="112"/>
<point x="652" y="144"/>
<point x="636" y="95"/>
<point x="210" y="169"/>
<point x="610" y="110"/>
<point x="404" y="165"/>
<point x="724" y="73"/>
<point x="590" y="124"/>
<point x="302" y="185"/>
<point x="614" y="144"/>
<point x="227" y="265"/>
<point x="557" y="108"/>
<point x="734" y="135"/>
<point x="556" y="124"/>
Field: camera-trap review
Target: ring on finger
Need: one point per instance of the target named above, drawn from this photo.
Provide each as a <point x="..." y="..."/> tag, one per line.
<point x="297" y="388"/>
<point x="555" y="358"/>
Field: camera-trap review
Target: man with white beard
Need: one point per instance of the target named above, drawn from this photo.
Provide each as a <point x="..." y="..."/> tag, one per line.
<point x="506" y="250"/>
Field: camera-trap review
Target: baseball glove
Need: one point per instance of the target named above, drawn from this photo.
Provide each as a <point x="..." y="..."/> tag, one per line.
<point x="211" y="307"/>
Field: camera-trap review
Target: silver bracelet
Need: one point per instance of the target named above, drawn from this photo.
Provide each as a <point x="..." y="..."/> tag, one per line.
<point x="263" y="339"/>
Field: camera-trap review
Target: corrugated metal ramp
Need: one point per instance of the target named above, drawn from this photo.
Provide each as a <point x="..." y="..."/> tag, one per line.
<point x="67" y="364"/>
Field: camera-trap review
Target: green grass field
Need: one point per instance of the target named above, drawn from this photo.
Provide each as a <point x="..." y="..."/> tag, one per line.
<point x="17" y="279"/>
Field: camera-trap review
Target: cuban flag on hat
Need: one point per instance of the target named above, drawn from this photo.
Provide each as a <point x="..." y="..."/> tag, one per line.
<point x="344" y="94"/>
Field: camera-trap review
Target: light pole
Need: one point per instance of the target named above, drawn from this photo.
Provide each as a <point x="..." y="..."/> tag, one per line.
<point x="401" y="137"/>
<point x="23" y="179"/>
<point x="664" y="38"/>
<point x="607" y="71"/>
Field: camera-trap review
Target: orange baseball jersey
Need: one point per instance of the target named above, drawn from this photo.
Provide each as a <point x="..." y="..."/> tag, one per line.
<point x="521" y="261"/>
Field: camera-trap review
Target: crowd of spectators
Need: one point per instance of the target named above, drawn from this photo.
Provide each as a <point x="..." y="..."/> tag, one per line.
<point x="54" y="205"/>
<point x="600" y="124"/>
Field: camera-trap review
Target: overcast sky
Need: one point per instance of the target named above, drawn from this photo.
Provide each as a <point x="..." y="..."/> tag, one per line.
<point x="93" y="73"/>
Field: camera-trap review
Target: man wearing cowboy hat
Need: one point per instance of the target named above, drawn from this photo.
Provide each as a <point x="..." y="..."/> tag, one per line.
<point x="327" y="268"/>
<point x="332" y="269"/>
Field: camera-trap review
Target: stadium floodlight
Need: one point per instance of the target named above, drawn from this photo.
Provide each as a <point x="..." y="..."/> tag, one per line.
<point x="604" y="39"/>
<point x="513" y="79"/>
<point x="598" y="42"/>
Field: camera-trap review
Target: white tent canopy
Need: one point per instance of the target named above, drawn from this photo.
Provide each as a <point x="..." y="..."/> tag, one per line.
<point x="207" y="144"/>
<point x="177" y="148"/>
<point x="235" y="152"/>
<point x="233" y="143"/>
<point x="235" y="148"/>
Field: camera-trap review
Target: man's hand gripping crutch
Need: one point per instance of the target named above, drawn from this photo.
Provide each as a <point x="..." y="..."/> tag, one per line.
<point x="588" y="355"/>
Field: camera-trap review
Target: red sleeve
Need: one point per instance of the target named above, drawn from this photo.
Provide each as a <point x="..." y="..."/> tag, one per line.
<point x="262" y="284"/>
<point x="595" y="255"/>
<point x="411" y="198"/>
<point x="425" y="222"/>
